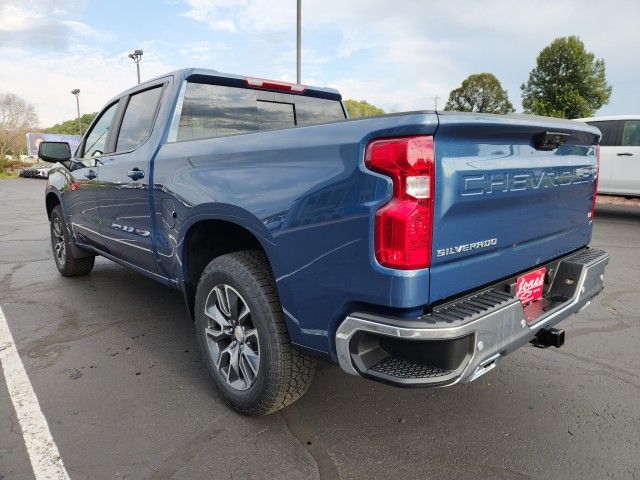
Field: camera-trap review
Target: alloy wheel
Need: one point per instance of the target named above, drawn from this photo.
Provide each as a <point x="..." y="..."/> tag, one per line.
<point x="57" y="239"/>
<point x="231" y="336"/>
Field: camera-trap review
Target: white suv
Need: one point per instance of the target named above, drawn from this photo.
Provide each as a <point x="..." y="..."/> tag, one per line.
<point x="619" y="153"/>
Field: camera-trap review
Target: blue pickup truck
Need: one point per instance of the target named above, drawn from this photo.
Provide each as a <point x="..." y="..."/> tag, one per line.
<point x="414" y="249"/>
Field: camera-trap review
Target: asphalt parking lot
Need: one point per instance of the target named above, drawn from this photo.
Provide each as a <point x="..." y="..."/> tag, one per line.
<point x="113" y="360"/>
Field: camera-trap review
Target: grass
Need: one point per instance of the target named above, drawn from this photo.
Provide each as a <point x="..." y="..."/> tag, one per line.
<point x="8" y="174"/>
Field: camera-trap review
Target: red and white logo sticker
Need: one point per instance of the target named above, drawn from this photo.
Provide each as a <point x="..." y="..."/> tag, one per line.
<point x="529" y="286"/>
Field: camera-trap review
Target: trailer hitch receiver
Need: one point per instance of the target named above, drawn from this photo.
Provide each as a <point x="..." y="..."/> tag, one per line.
<point x="552" y="337"/>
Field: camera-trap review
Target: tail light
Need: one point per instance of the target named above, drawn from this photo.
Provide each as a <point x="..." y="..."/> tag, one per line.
<point x="404" y="226"/>
<point x="595" y="184"/>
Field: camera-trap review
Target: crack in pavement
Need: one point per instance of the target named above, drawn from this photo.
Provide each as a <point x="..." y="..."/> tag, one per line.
<point x="609" y="371"/>
<point x="327" y="469"/>
<point x="616" y="327"/>
<point x="187" y="451"/>
<point x="13" y="425"/>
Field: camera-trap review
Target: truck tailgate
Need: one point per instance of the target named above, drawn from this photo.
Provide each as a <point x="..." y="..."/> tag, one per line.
<point x="504" y="204"/>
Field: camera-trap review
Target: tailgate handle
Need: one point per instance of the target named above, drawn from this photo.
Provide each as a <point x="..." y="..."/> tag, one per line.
<point x="625" y="154"/>
<point x="549" y="140"/>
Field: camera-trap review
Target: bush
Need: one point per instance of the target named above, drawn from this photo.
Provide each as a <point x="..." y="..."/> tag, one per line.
<point x="8" y="167"/>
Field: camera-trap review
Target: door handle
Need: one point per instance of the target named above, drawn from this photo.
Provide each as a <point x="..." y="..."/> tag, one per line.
<point x="625" y="154"/>
<point x="135" y="174"/>
<point x="91" y="174"/>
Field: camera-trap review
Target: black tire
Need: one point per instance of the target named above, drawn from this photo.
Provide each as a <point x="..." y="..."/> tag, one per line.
<point x="283" y="374"/>
<point x="61" y="244"/>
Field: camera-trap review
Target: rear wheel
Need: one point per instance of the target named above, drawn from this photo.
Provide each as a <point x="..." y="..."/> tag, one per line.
<point x="243" y="337"/>
<point x="68" y="265"/>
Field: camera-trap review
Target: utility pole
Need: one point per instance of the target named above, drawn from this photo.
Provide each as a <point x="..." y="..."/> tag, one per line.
<point x="435" y="102"/>
<point x="136" y="56"/>
<point x="76" y="92"/>
<point x="299" y="44"/>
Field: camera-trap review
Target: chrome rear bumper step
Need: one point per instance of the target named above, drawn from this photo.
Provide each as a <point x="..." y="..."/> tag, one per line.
<point x="462" y="340"/>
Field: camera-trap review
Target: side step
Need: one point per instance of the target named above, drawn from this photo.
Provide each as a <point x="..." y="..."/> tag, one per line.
<point x="401" y="368"/>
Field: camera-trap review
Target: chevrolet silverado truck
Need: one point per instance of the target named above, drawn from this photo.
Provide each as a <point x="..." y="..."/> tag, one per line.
<point x="415" y="249"/>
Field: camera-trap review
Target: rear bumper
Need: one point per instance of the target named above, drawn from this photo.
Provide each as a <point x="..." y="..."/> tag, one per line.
<point x="461" y="340"/>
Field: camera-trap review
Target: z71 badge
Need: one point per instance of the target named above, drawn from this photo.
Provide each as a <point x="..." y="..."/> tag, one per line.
<point x="467" y="247"/>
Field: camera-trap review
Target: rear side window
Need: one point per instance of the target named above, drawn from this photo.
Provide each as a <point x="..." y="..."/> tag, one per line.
<point x="311" y="110"/>
<point x="212" y="111"/>
<point x="216" y="110"/>
<point x="609" y="130"/>
<point x="631" y="133"/>
<point x="138" y="119"/>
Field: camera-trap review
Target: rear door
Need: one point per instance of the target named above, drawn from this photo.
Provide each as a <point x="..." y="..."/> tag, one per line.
<point x="610" y="140"/>
<point x="626" y="158"/>
<point x="81" y="199"/>
<point x="504" y="205"/>
<point x="124" y="178"/>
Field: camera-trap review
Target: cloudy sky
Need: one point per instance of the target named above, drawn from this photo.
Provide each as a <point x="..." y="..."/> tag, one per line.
<point x="396" y="54"/>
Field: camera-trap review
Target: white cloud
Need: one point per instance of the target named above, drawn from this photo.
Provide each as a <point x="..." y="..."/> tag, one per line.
<point x="268" y="19"/>
<point x="203" y="51"/>
<point x="396" y="55"/>
<point x="47" y="81"/>
<point x="413" y="50"/>
<point x="210" y="12"/>
<point x="13" y="18"/>
<point x="45" y="24"/>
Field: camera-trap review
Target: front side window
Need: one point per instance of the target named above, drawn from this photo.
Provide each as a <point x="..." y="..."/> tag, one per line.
<point x="96" y="140"/>
<point x="137" y="123"/>
<point x="609" y="130"/>
<point x="631" y="133"/>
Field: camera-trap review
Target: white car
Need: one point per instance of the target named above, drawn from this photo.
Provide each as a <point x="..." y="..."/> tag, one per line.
<point x="619" y="153"/>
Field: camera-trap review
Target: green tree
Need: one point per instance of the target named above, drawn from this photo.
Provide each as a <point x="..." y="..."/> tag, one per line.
<point x="481" y="92"/>
<point x="362" y="108"/>
<point x="70" y="127"/>
<point x="567" y="81"/>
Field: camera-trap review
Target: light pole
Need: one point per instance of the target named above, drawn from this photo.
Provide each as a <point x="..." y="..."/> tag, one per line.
<point x="76" y="92"/>
<point x="136" y="56"/>
<point x="299" y="43"/>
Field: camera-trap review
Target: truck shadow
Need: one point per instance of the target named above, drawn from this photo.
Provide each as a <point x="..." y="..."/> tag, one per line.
<point x="351" y="427"/>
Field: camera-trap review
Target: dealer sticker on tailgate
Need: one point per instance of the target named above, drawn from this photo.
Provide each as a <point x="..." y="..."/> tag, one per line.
<point x="530" y="285"/>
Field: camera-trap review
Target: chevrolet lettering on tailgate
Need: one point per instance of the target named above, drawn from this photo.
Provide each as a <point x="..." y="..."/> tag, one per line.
<point x="514" y="182"/>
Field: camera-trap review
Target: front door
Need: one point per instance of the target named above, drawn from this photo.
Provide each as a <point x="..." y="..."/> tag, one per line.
<point x="124" y="179"/>
<point x="81" y="198"/>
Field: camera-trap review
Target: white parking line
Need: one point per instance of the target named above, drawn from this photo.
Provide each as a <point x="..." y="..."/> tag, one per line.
<point x="43" y="452"/>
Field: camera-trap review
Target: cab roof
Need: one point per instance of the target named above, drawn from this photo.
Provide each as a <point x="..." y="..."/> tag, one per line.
<point x="220" y="78"/>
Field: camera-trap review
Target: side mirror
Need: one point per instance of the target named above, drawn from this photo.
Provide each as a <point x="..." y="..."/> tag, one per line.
<point x="54" y="152"/>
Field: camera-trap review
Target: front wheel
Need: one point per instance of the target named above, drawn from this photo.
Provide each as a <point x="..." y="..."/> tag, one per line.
<point x="243" y="338"/>
<point x="68" y="265"/>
